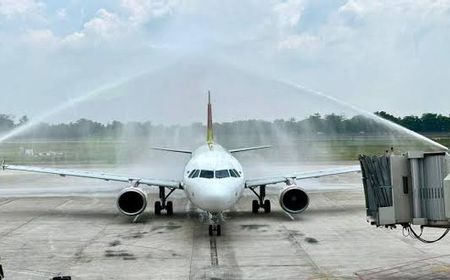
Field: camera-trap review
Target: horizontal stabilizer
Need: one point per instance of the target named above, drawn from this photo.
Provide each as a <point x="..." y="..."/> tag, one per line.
<point x="250" y="149"/>
<point x="172" y="150"/>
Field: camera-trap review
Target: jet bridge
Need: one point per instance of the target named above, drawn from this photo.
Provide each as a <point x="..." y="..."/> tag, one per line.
<point x="408" y="189"/>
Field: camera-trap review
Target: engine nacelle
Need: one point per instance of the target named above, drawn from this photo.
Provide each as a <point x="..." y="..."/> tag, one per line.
<point x="131" y="201"/>
<point x="294" y="199"/>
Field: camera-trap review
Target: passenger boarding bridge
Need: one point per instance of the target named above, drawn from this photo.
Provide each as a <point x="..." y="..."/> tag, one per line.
<point x="409" y="189"/>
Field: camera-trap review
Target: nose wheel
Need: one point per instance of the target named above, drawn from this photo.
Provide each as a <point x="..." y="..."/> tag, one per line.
<point x="217" y="229"/>
<point x="261" y="202"/>
<point x="163" y="204"/>
<point x="214" y="226"/>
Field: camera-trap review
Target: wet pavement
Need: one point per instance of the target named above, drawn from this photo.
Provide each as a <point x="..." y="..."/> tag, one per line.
<point x="86" y="238"/>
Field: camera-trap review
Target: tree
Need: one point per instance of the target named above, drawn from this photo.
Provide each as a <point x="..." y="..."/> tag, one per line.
<point x="23" y="120"/>
<point x="387" y="116"/>
<point x="6" y="122"/>
<point x="430" y="123"/>
<point x="334" y="123"/>
<point x="412" y="122"/>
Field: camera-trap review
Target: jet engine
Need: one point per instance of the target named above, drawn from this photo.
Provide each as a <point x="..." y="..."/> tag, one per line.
<point x="294" y="199"/>
<point x="132" y="201"/>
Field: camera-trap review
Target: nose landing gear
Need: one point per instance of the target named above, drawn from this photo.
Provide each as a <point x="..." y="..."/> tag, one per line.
<point x="261" y="202"/>
<point x="215" y="227"/>
<point x="163" y="204"/>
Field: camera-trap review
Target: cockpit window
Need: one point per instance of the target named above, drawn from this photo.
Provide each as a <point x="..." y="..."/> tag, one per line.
<point x="234" y="173"/>
<point x="222" y="174"/>
<point x="208" y="174"/>
<point x="194" y="173"/>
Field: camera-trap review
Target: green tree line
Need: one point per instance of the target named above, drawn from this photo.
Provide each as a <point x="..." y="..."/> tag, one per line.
<point x="313" y="125"/>
<point x="427" y="123"/>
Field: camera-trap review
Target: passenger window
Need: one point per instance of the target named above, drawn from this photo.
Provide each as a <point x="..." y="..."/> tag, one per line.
<point x="222" y="174"/>
<point x="208" y="174"/>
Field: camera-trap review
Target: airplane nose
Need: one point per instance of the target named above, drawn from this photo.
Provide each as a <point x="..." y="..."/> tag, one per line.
<point x="216" y="198"/>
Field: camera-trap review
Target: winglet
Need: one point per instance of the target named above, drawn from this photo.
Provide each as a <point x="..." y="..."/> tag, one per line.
<point x="209" y="132"/>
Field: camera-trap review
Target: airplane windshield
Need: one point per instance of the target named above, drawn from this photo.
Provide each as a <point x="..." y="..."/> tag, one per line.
<point x="194" y="173"/>
<point x="222" y="174"/>
<point x="208" y="174"/>
<point x="234" y="173"/>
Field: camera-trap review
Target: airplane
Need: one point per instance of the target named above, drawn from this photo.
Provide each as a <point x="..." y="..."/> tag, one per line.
<point x="213" y="181"/>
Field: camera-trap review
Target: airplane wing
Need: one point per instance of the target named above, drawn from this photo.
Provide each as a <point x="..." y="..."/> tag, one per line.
<point x="171" y="150"/>
<point x="300" y="176"/>
<point x="249" y="149"/>
<point x="95" y="175"/>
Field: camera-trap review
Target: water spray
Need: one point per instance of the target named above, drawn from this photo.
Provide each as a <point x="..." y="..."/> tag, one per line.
<point x="364" y="113"/>
<point x="70" y="103"/>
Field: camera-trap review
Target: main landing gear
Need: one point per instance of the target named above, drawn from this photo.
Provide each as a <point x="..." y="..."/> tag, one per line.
<point x="163" y="204"/>
<point x="261" y="202"/>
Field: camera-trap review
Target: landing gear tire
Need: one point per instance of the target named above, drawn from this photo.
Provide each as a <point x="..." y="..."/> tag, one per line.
<point x="218" y="230"/>
<point x="169" y="208"/>
<point x="162" y="203"/>
<point x="210" y="230"/>
<point x="267" y="206"/>
<point x="255" y="206"/>
<point x="158" y="208"/>
<point x="215" y="228"/>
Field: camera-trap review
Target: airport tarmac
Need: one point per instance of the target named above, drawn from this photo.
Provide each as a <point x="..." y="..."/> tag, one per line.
<point x="87" y="238"/>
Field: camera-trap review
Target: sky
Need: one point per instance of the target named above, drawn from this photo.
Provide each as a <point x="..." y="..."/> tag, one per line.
<point x="155" y="59"/>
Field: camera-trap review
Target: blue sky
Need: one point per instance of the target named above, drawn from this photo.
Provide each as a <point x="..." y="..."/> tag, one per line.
<point x="377" y="54"/>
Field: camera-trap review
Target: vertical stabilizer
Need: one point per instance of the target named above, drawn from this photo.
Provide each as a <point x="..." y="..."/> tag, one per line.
<point x="209" y="132"/>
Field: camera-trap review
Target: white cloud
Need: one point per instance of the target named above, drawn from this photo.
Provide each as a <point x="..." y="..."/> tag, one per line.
<point x="143" y="10"/>
<point x="104" y="24"/>
<point x="41" y="38"/>
<point x="73" y="39"/>
<point x="299" y="41"/>
<point x="103" y="27"/>
<point x="20" y="8"/>
<point x="402" y="7"/>
<point x="389" y="42"/>
<point x="353" y="7"/>
<point x="61" y="14"/>
<point x="289" y="12"/>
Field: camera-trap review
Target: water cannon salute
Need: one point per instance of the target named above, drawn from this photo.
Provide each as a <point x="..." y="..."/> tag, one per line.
<point x="237" y="140"/>
<point x="213" y="181"/>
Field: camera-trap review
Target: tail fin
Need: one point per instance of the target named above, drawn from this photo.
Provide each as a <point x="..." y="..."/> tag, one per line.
<point x="209" y="131"/>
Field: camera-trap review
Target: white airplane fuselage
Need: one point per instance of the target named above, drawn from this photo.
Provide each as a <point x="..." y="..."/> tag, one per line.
<point x="217" y="186"/>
